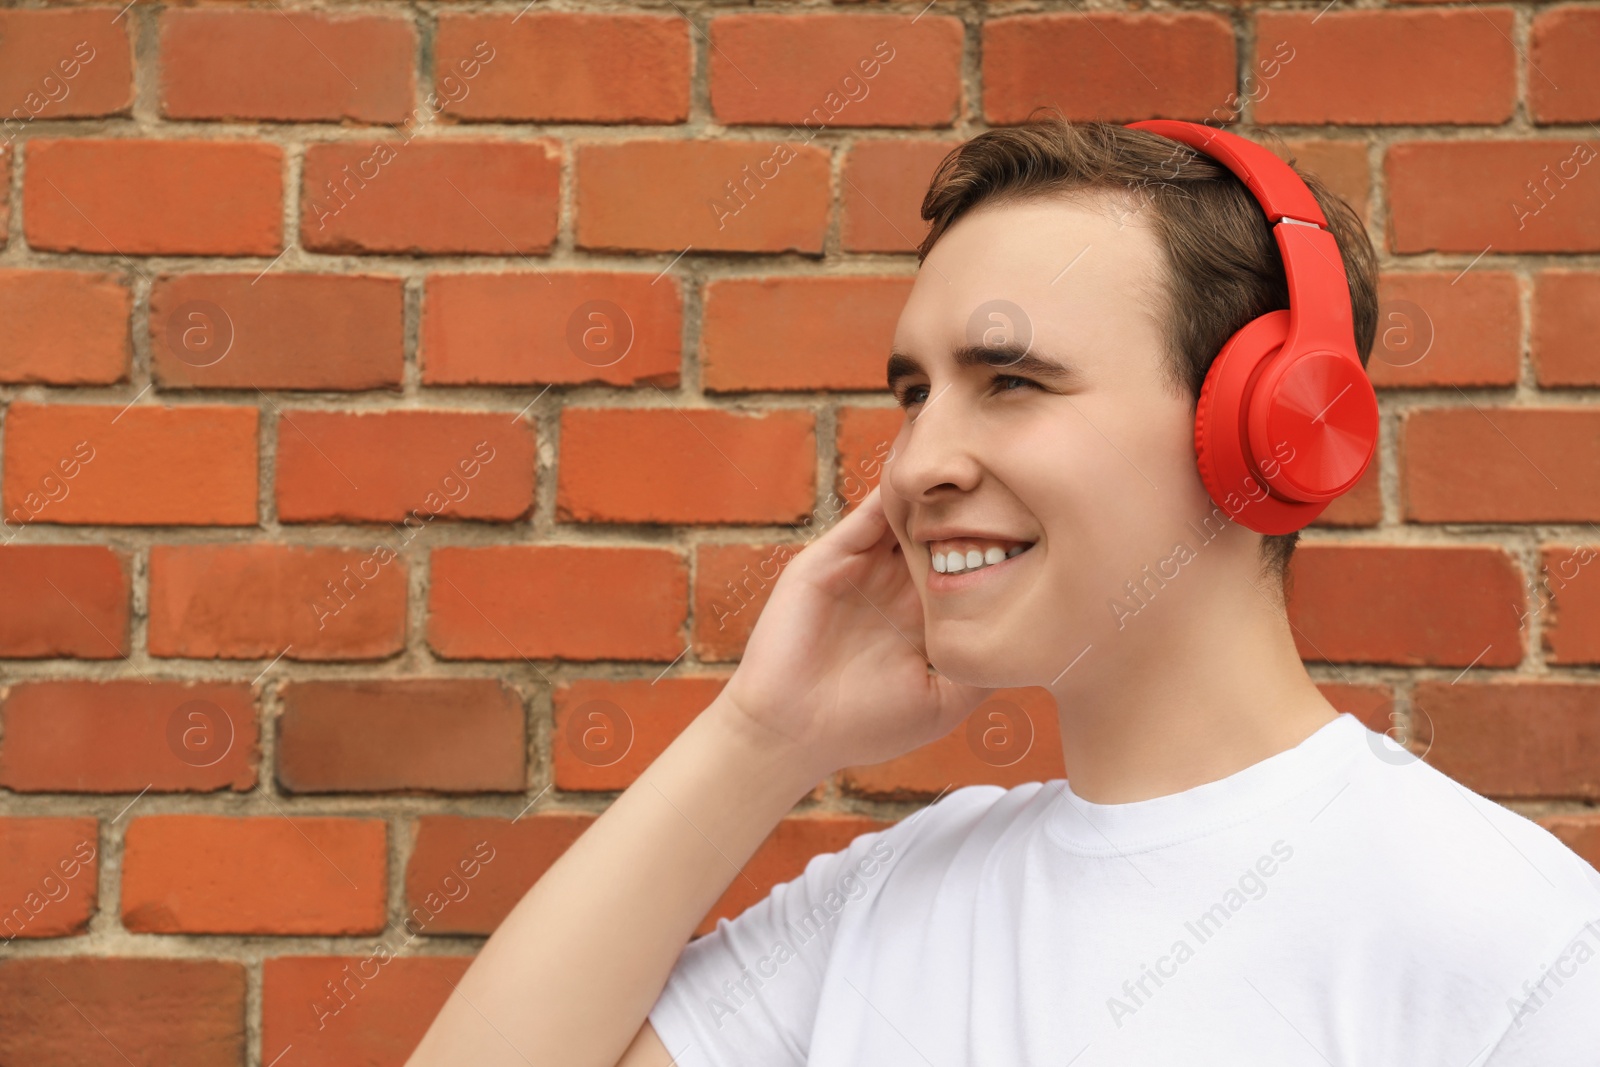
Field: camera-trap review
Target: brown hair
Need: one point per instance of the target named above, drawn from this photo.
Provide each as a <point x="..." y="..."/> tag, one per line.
<point x="1223" y="267"/>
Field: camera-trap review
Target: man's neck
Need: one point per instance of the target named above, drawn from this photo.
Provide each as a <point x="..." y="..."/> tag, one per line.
<point x="1191" y="702"/>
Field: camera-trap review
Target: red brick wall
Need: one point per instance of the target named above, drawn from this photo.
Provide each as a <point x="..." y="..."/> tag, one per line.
<point x="262" y="298"/>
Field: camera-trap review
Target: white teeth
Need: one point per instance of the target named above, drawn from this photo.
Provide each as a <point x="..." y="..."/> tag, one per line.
<point x="956" y="561"/>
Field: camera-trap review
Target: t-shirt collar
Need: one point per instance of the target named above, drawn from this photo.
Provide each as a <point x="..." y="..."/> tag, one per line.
<point x="1088" y="828"/>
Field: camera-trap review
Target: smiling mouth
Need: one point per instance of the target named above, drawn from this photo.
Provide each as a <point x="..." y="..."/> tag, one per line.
<point x="958" y="567"/>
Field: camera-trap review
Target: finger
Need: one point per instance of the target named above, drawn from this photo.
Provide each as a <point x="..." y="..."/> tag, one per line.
<point x="862" y="529"/>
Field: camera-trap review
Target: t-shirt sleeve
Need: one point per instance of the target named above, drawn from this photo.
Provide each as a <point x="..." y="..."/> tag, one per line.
<point x="1555" y="1016"/>
<point x="746" y="994"/>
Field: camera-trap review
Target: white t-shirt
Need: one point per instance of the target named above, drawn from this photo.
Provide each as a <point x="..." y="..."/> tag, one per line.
<point x="1339" y="903"/>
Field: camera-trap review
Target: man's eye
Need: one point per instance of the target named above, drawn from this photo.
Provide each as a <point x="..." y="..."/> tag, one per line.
<point x="1002" y="383"/>
<point x="911" y="394"/>
<point x="999" y="378"/>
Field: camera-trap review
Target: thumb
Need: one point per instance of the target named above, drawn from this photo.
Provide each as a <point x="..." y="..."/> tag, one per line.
<point x="863" y="528"/>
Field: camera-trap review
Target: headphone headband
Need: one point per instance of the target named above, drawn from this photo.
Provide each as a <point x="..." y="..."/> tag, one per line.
<point x="1288" y="380"/>
<point x="1275" y="184"/>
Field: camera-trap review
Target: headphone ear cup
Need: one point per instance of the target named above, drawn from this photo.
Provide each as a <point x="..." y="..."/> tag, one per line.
<point x="1219" y="443"/>
<point x="1202" y="446"/>
<point x="1221" y="438"/>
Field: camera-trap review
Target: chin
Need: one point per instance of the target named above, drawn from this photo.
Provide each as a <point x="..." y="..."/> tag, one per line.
<point x="976" y="666"/>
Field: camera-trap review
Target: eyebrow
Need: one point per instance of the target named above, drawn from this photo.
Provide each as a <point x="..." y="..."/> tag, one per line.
<point x="1016" y="358"/>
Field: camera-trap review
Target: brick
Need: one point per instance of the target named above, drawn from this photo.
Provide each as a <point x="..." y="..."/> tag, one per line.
<point x="277" y="331"/>
<point x="556" y="66"/>
<point x="524" y="850"/>
<point x="1514" y="740"/>
<point x="1183" y="66"/>
<point x="1014" y="736"/>
<point x="63" y="600"/>
<point x="1566" y="592"/>
<point x="389" y="466"/>
<point x="1361" y="505"/>
<point x="446" y="735"/>
<point x="422" y="196"/>
<point x="607" y="732"/>
<point x="49" y="876"/>
<point x="64" y="327"/>
<point x="269" y="874"/>
<point x="1416" y="607"/>
<point x="565" y="328"/>
<point x="304" y="602"/>
<point x="1566" y="319"/>
<point x="466" y="874"/>
<point x="822" y="70"/>
<point x="557" y="602"/>
<point x="1525" y="196"/>
<point x="783" y="856"/>
<point x="1374" y="705"/>
<point x="1384" y="67"/>
<point x="140" y="197"/>
<point x="881" y="194"/>
<point x="5" y="201"/>
<point x="1581" y="833"/>
<point x="138" y="465"/>
<point x="716" y="195"/>
<point x="1447" y="328"/>
<point x="88" y="1011"/>
<point x="79" y="736"/>
<point x="731" y="586"/>
<point x="703" y="465"/>
<point x="233" y="64"/>
<point x="1527" y="464"/>
<point x="377" y="1015"/>
<point x="864" y="440"/>
<point x="63" y="65"/>
<point x="799" y="333"/>
<point x="1563" y="85"/>
<point x="1342" y="165"/>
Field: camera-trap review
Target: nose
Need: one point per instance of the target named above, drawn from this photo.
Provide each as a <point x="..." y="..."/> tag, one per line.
<point x="933" y="454"/>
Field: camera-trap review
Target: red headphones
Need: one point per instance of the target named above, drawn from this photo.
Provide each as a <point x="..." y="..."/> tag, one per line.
<point x="1287" y="419"/>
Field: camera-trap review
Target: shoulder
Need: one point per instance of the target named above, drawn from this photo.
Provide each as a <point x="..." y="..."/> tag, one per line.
<point x="1479" y="888"/>
<point x="1450" y="831"/>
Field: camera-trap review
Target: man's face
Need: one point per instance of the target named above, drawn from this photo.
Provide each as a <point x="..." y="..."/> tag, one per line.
<point x="1095" y="468"/>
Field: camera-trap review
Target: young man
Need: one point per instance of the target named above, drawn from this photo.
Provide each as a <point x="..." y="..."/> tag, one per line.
<point x="1231" y="871"/>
